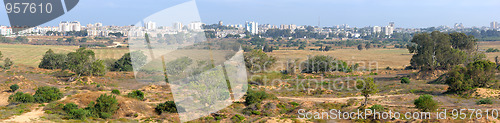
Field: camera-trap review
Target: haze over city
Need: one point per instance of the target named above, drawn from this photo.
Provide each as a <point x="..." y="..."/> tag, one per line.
<point x="356" y="13"/>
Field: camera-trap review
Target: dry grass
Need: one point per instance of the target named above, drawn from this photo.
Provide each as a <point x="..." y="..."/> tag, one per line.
<point x="490" y="44"/>
<point x="31" y="55"/>
<point x="394" y="58"/>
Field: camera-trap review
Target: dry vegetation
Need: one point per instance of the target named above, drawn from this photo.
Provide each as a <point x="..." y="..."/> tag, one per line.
<point x="393" y="95"/>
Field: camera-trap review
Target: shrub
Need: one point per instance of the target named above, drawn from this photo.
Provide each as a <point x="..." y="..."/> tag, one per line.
<point x="14" y="87"/>
<point x="476" y="75"/>
<point x="168" y="106"/>
<point x="115" y="91"/>
<point x="485" y="101"/>
<point x="47" y="94"/>
<point x="256" y="96"/>
<point x="136" y="94"/>
<point x="237" y="118"/>
<point x="70" y="106"/>
<point x="377" y="108"/>
<point x="105" y="105"/>
<point x="405" y="80"/>
<point x="81" y="114"/>
<point x="256" y="112"/>
<point x="425" y="103"/>
<point x="21" y="97"/>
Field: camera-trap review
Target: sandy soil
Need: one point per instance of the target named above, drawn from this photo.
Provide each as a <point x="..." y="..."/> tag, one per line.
<point x="4" y="97"/>
<point x="29" y="117"/>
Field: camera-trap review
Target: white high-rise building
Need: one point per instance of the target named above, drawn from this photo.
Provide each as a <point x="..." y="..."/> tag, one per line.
<point x="195" y="26"/>
<point x="388" y="30"/>
<point x="252" y="27"/>
<point x="66" y="26"/>
<point x="177" y="26"/>
<point x="150" y="25"/>
<point x="377" y="29"/>
<point x="494" y="25"/>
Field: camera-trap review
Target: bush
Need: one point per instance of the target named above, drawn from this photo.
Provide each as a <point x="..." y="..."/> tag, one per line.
<point x="476" y="75"/>
<point x="81" y="114"/>
<point x="14" y="87"/>
<point x="21" y="97"/>
<point x="105" y="105"/>
<point x="256" y="112"/>
<point x="47" y="94"/>
<point x="256" y="96"/>
<point x="136" y="94"/>
<point x="70" y="106"/>
<point x="425" y="103"/>
<point x="485" y="101"/>
<point x="237" y="118"/>
<point x="405" y="80"/>
<point x="115" y="91"/>
<point x="169" y="107"/>
<point x="377" y="108"/>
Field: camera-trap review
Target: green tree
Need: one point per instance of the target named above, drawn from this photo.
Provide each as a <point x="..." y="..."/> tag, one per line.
<point x="368" y="46"/>
<point x="257" y="61"/>
<point x="426" y="104"/>
<point x="14" y="87"/>
<point x="83" y="62"/>
<point x="368" y="87"/>
<point x="52" y="60"/>
<point x="7" y="63"/>
<point x="360" y="47"/>
<point x="125" y="62"/>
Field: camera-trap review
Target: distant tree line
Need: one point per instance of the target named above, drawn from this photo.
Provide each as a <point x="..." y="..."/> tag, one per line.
<point x="84" y="63"/>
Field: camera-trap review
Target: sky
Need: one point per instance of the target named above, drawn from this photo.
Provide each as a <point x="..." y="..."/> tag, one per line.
<point x="356" y="13"/>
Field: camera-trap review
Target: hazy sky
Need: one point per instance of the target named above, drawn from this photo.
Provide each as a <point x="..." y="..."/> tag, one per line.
<point x="359" y="13"/>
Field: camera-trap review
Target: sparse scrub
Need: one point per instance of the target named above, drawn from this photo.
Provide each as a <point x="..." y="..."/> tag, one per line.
<point x="21" y="97"/>
<point x="426" y="104"/>
<point x="47" y="94"/>
<point x="484" y="101"/>
<point x="137" y="94"/>
<point x="14" y="87"/>
<point x="169" y="107"/>
<point x="405" y="80"/>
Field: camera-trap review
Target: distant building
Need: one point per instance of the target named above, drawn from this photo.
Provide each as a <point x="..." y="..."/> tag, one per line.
<point x="391" y="24"/>
<point x="388" y="30"/>
<point x="252" y="27"/>
<point x="459" y="26"/>
<point x="376" y="29"/>
<point x="150" y="25"/>
<point x="221" y="23"/>
<point x="494" y="25"/>
<point x="66" y="26"/>
<point x="177" y="26"/>
<point x="5" y="31"/>
<point x="195" y="26"/>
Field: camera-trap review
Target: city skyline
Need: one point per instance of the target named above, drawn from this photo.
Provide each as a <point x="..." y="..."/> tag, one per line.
<point x="357" y="13"/>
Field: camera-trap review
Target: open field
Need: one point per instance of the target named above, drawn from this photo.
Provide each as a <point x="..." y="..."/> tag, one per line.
<point x="490" y="44"/>
<point x="394" y="58"/>
<point x="31" y="55"/>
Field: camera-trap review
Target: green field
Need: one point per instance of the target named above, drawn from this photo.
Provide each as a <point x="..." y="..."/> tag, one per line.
<point x="31" y="55"/>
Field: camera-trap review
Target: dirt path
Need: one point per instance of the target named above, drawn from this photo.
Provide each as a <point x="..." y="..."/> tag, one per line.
<point x="29" y="117"/>
<point x="341" y="100"/>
